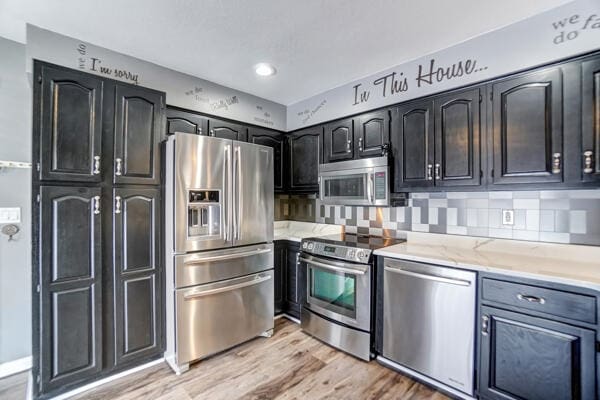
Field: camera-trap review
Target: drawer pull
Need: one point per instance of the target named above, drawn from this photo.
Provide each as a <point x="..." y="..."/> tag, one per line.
<point x="531" y="299"/>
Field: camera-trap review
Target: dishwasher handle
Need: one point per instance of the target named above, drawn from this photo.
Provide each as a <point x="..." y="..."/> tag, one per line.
<point x="420" y="275"/>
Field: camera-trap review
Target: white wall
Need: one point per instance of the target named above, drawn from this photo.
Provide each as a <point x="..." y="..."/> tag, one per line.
<point x="15" y="191"/>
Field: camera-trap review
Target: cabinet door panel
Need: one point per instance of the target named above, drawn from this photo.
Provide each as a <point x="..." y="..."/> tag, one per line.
<point x="339" y="141"/>
<point x="275" y="140"/>
<point x="527" y="128"/>
<point x="412" y="145"/>
<point x="591" y="119"/>
<point x="372" y="132"/>
<point x="71" y="126"/>
<point x="137" y="272"/>
<point x="280" y="261"/>
<point x="304" y="156"/>
<point x="292" y="282"/>
<point x="227" y="130"/>
<point x="525" y="357"/>
<point x="70" y="294"/>
<point x="457" y="139"/>
<point x="138" y="131"/>
<point x="186" y="122"/>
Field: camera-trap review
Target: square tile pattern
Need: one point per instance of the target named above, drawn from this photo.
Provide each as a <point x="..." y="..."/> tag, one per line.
<point x="571" y="216"/>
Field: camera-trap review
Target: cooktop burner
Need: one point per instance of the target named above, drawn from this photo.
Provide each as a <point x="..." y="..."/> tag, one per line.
<point x="346" y="246"/>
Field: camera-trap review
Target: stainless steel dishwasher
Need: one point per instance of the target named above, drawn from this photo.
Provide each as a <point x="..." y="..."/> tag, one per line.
<point x="429" y="321"/>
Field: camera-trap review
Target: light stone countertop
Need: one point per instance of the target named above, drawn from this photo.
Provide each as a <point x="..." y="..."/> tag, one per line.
<point x="559" y="263"/>
<point x="296" y="231"/>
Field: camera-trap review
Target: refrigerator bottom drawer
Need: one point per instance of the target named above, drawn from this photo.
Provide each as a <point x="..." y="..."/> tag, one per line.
<point x="214" y="317"/>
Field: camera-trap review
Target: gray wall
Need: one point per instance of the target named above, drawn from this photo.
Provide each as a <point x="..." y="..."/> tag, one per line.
<point x="15" y="191"/>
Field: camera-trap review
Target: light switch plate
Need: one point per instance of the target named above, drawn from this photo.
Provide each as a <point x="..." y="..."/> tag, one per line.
<point x="508" y="217"/>
<point x="10" y="215"/>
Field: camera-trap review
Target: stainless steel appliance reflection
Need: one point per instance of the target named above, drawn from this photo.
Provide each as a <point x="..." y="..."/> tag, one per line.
<point x="219" y="251"/>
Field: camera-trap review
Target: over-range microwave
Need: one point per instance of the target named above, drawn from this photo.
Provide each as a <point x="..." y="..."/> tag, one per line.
<point x="355" y="183"/>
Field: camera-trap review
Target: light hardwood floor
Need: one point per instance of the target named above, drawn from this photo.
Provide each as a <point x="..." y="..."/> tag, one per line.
<point x="290" y="365"/>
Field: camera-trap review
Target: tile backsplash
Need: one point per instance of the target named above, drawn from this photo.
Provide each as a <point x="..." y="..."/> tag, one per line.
<point x="566" y="216"/>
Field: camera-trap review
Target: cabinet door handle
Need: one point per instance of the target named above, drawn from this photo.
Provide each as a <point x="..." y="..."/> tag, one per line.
<point x="96" y="205"/>
<point x="429" y="172"/>
<point x="118" y="166"/>
<point x="211" y="133"/>
<point x="438" y="172"/>
<point x="588" y="159"/>
<point x="484" y="324"/>
<point x="118" y="205"/>
<point x="531" y="299"/>
<point x="348" y="146"/>
<point x="96" y="165"/>
<point x="556" y="163"/>
<point x="360" y="146"/>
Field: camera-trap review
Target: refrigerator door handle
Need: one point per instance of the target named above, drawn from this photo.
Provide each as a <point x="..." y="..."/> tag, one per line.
<point x="238" y="193"/>
<point x="226" y="181"/>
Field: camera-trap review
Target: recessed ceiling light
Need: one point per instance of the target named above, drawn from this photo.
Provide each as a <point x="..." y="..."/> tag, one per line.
<point x="264" y="69"/>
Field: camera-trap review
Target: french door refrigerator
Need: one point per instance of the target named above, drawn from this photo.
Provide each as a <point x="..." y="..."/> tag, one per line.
<point x="219" y="250"/>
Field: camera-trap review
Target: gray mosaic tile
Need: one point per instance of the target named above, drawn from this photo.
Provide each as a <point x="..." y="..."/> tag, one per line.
<point x="547" y="220"/>
<point x="500" y="195"/>
<point x="457" y="203"/>
<point x="520" y="222"/>
<point x="442" y="217"/>
<point x="530" y="204"/>
<point x="433" y="216"/>
<point x="420" y="227"/>
<point x="526" y="195"/>
<point x="577" y="222"/>
<point x="477" y="203"/>
<point x="456" y="230"/>
<point x="561" y="221"/>
<point x="452" y="216"/>
<point x="584" y="194"/>
<point x="494" y="217"/>
<point x="532" y="220"/>
<point x="554" y="194"/>
<point x="555" y="204"/>
<point x="483" y="232"/>
<point x="416" y="215"/>
<point x="505" y="204"/>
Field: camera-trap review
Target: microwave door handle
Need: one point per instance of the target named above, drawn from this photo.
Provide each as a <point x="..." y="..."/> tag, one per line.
<point x="370" y="187"/>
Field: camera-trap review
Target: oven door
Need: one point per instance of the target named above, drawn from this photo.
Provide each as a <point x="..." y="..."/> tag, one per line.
<point x="337" y="290"/>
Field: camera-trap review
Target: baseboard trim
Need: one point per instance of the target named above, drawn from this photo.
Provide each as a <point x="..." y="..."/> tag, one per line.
<point x="14" y="367"/>
<point x="286" y="316"/>
<point x="111" y="378"/>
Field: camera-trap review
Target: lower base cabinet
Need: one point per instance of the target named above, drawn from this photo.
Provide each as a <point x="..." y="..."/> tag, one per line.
<point x="531" y="346"/>
<point x="287" y="289"/>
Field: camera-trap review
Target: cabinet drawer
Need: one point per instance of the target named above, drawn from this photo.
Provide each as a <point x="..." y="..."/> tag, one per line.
<point x="578" y="307"/>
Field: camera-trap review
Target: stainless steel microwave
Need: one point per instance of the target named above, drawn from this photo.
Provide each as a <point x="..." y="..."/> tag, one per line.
<point x="355" y="183"/>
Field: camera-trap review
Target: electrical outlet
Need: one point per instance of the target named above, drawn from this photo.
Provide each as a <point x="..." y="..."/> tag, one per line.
<point x="508" y="217"/>
<point x="10" y="215"/>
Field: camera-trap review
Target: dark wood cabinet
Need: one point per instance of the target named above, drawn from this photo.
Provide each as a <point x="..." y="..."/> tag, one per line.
<point x="69" y="108"/>
<point x="227" y="130"/>
<point x="304" y="154"/>
<point x="137" y="260"/>
<point x="139" y="124"/>
<point x="338" y="141"/>
<point x="372" y="132"/>
<point x="70" y="268"/>
<point x="457" y="139"/>
<point x="186" y="122"/>
<point x="413" y="145"/>
<point x="287" y="277"/>
<point x="590" y="124"/>
<point x="525" y="357"/>
<point x="526" y="128"/>
<point x="275" y="140"/>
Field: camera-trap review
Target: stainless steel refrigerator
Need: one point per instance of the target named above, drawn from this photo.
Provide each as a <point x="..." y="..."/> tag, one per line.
<point x="219" y="250"/>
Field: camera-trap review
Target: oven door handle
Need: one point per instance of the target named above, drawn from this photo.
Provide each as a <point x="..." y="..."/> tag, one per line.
<point x="194" y="294"/>
<point x="428" y="277"/>
<point x="334" y="267"/>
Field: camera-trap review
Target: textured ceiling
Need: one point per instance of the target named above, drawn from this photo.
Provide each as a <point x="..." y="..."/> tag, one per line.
<point x="314" y="44"/>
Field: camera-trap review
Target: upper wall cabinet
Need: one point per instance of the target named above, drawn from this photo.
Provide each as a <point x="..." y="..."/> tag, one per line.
<point x="590" y="123"/>
<point x="372" y="132"/>
<point x="339" y="140"/>
<point x="304" y="154"/>
<point x="70" y="111"/>
<point x="412" y="145"/>
<point x="273" y="139"/>
<point x="186" y="122"/>
<point x="227" y="130"/>
<point x="526" y="127"/>
<point x="457" y="139"/>
<point x="138" y="125"/>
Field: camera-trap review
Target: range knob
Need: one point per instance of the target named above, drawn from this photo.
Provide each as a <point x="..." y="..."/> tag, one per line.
<point x="360" y="254"/>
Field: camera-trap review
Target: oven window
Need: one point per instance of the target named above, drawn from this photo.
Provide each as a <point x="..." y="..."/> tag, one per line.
<point x="345" y="186"/>
<point x="334" y="288"/>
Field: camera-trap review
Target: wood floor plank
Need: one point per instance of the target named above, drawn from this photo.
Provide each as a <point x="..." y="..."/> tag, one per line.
<point x="289" y="366"/>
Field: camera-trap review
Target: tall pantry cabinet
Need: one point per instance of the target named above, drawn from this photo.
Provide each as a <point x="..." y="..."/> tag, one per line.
<point x="97" y="262"/>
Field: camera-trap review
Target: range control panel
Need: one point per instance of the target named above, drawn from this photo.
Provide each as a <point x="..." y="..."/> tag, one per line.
<point x="337" y="251"/>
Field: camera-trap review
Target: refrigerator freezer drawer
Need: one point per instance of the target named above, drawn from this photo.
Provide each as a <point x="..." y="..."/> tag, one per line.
<point x="429" y="321"/>
<point x="212" y="266"/>
<point x="214" y="317"/>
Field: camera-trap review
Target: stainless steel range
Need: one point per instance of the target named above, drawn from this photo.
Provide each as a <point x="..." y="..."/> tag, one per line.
<point x="336" y="300"/>
<point x="219" y="250"/>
